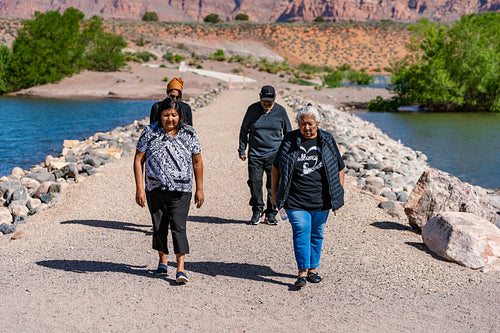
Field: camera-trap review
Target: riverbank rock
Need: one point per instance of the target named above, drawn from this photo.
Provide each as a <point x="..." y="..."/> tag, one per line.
<point x="464" y="238"/>
<point x="437" y="191"/>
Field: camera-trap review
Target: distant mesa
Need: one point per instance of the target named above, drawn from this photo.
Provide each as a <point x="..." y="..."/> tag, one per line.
<point x="258" y="10"/>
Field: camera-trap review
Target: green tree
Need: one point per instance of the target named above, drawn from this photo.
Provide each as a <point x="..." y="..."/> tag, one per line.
<point x="212" y="18"/>
<point x="452" y="68"/>
<point x="5" y="57"/>
<point x="103" y="50"/>
<point x="150" y="16"/>
<point x="241" y="17"/>
<point x="319" y="19"/>
<point x="47" y="49"/>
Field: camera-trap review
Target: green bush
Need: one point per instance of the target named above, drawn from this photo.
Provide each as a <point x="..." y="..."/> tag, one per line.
<point x="150" y="16"/>
<point x="452" y="68"/>
<point x="5" y="57"/>
<point x="212" y="18"/>
<point x="241" y="17"/>
<point x="361" y="77"/>
<point x="333" y="79"/>
<point x="218" y="55"/>
<point x="319" y="19"/>
<point x="173" y="58"/>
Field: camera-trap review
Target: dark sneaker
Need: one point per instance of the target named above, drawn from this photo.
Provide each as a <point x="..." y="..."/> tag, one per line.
<point x="181" y="278"/>
<point x="256" y="218"/>
<point x="313" y="278"/>
<point x="162" y="270"/>
<point x="271" y="219"/>
<point x="301" y="281"/>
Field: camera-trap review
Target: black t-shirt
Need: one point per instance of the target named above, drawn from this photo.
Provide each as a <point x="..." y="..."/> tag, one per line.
<point x="309" y="188"/>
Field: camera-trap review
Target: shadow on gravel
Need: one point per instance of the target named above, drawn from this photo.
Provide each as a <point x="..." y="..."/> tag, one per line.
<point x="238" y="270"/>
<point x="88" y="266"/>
<point x="125" y="226"/>
<point x="390" y="225"/>
<point x="422" y="247"/>
<point x="214" y="219"/>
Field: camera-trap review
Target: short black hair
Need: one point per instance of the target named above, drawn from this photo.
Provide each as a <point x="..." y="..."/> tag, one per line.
<point x="171" y="103"/>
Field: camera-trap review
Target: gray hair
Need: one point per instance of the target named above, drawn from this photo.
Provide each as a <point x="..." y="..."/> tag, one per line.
<point x="308" y="110"/>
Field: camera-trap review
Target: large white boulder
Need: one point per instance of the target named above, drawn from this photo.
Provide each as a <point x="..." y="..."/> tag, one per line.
<point x="464" y="238"/>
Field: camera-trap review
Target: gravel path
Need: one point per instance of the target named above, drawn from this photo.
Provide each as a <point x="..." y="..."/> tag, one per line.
<point x="86" y="264"/>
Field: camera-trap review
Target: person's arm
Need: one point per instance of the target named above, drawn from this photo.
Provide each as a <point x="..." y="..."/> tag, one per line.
<point x="140" y="193"/>
<point x="275" y="179"/>
<point x="199" y="196"/>
<point x="245" y="126"/>
<point x="188" y="113"/>
<point x="341" y="176"/>
<point x="287" y="126"/>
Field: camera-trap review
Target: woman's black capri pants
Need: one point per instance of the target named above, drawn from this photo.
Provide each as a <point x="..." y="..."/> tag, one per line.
<point x="169" y="209"/>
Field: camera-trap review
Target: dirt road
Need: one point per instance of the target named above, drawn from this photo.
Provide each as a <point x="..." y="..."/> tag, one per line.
<point x="86" y="264"/>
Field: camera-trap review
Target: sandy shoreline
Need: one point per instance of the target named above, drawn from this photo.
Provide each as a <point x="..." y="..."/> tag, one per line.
<point x="144" y="83"/>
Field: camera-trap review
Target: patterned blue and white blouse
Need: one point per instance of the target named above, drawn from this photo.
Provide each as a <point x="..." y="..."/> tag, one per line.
<point x="168" y="162"/>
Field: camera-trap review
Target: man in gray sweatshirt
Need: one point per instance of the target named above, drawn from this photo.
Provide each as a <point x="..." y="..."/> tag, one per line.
<point x="263" y="127"/>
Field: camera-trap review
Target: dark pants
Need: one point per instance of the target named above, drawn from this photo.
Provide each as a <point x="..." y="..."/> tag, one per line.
<point x="169" y="209"/>
<point x="256" y="169"/>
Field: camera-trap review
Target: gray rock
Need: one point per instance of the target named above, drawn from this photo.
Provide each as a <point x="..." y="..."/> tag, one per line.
<point x="353" y="165"/>
<point x="55" y="188"/>
<point x="7" y="228"/>
<point x="45" y="198"/>
<point x="19" y="194"/>
<point x="402" y="196"/>
<point x="92" y="160"/>
<point x="21" y="219"/>
<point x="393" y="208"/>
<point x="9" y="186"/>
<point x="41" y="175"/>
<point x="389" y="195"/>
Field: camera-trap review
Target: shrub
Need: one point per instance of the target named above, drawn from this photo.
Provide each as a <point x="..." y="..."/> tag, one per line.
<point x="333" y="79"/>
<point x="241" y="17"/>
<point x="218" y="55"/>
<point x="212" y="18"/>
<point x="319" y="19"/>
<point x="452" y="68"/>
<point x="150" y="16"/>
<point x="171" y="57"/>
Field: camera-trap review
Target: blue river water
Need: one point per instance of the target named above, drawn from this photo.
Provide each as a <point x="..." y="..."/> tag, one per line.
<point x="31" y="129"/>
<point x="466" y="145"/>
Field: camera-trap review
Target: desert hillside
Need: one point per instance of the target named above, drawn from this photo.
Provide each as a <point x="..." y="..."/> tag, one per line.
<point x="361" y="45"/>
<point x="259" y="10"/>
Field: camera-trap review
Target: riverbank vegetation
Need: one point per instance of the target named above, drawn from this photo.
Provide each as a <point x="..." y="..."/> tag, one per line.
<point x="54" y="45"/>
<point x="449" y="68"/>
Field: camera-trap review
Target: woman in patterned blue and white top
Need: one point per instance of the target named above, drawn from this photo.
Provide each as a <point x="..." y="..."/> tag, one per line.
<point x="168" y="152"/>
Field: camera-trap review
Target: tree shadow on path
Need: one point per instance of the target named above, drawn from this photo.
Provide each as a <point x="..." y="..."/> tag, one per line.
<point x="390" y="225"/>
<point x="125" y="226"/>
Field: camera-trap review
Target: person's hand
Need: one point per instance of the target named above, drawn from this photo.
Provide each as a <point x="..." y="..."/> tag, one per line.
<point x="199" y="198"/>
<point x="243" y="157"/>
<point x="140" y="197"/>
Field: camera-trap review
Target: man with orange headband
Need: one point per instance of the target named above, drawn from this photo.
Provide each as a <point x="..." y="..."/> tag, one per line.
<point x="174" y="90"/>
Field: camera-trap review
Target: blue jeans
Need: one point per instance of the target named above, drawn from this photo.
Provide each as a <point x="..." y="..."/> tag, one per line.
<point x="307" y="230"/>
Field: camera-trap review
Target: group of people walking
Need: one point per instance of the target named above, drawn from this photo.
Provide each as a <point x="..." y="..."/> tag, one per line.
<point x="303" y="169"/>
